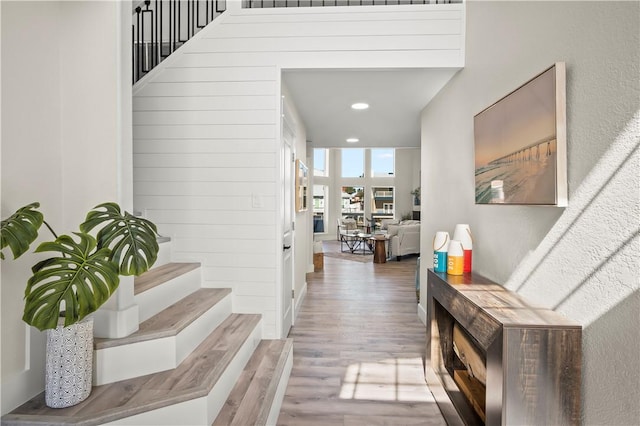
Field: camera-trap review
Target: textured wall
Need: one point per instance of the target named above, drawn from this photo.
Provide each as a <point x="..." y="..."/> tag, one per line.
<point x="581" y="261"/>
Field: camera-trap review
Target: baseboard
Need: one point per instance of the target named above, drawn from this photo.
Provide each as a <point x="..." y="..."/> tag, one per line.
<point x="303" y="294"/>
<point x="422" y="314"/>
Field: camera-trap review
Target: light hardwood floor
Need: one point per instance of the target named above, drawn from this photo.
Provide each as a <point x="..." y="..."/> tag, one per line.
<point x="359" y="349"/>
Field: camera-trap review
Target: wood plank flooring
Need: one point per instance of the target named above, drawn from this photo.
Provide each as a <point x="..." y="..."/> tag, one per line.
<point x="253" y="394"/>
<point x="359" y="349"/>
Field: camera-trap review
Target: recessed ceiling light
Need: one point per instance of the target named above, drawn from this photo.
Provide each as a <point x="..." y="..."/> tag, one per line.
<point x="353" y="140"/>
<point x="360" y="105"/>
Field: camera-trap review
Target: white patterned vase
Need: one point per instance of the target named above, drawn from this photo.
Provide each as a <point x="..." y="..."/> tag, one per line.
<point x="69" y="364"/>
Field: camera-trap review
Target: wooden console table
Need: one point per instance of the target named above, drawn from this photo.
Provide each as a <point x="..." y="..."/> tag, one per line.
<point x="532" y="355"/>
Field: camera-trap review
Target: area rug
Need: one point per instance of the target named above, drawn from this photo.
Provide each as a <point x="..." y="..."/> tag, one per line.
<point x="332" y="249"/>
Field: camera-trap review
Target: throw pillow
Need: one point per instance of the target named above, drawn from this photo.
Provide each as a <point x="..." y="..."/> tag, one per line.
<point x="392" y="230"/>
<point x="387" y="222"/>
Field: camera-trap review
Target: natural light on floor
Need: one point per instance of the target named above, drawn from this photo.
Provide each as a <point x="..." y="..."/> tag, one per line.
<point x="395" y="379"/>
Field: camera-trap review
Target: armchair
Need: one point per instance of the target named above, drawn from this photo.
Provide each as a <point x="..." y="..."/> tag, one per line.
<point x="345" y="225"/>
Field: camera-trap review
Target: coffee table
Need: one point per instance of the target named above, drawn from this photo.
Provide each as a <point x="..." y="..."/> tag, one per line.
<point x="356" y="242"/>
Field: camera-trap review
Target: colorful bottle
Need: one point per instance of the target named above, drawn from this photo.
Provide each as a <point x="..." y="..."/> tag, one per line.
<point x="455" y="258"/>
<point x="440" y="248"/>
<point x="462" y="233"/>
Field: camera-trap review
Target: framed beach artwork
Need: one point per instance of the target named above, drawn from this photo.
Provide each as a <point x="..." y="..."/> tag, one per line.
<point x="521" y="144"/>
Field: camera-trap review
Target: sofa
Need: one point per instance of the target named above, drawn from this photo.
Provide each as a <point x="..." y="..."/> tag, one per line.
<point x="404" y="238"/>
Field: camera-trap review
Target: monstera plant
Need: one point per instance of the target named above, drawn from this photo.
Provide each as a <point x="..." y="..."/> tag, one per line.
<point x="74" y="282"/>
<point x="85" y="270"/>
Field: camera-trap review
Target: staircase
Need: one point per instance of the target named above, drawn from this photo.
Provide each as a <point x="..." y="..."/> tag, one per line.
<point x="192" y="361"/>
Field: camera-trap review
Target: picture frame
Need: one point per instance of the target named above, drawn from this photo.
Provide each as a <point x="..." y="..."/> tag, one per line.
<point x="520" y="144"/>
<point x="302" y="183"/>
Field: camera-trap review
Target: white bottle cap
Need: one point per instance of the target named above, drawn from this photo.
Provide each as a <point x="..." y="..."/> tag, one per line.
<point x="455" y="248"/>
<point x="441" y="241"/>
<point x="462" y="233"/>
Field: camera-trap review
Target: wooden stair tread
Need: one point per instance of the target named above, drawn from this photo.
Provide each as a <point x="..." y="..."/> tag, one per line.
<point x="172" y="320"/>
<point x="193" y="378"/>
<point x="250" y="400"/>
<point x="156" y="276"/>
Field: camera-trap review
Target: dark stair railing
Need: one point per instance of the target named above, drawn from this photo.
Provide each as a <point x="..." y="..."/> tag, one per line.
<point x="162" y="26"/>
<point x="260" y="4"/>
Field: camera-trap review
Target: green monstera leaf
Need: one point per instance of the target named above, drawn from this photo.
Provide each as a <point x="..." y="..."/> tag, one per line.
<point x="132" y="240"/>
<point x="20" y="230"/>
<point x="81" y="278"/>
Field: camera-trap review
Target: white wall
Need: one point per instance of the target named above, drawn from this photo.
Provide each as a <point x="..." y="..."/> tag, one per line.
<point x="206" y="126"/>
<point x="581" y="261"/>
<point x="29" y="94"/>
<point x="407" y="179"/>
<point x="63" y="145"/>
<point x="303" y="243"/>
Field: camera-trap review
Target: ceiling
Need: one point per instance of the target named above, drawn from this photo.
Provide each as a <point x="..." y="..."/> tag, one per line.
<point x="396" y="98"/>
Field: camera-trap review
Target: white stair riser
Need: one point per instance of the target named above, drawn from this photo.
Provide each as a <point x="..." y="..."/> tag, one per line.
<point x="274" y="413"/>
<point x="164" y="255"/>
<point x="134" y="360"/>
<point x="152" y="356"/>
<point x="161" y="297"/>
<point x="203" y="410"/>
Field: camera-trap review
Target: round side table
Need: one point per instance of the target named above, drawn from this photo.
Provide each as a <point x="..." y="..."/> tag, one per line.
<point x="379" y="249"/>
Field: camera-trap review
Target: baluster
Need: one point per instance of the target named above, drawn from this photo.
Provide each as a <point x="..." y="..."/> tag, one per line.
<point x="160" y="27"/>
<point x="188" y="19"/>
<point x="193" y="18"/>
<point x="158" y="44"/>
<point x="138" y="45"/>
<point x="171" y="32"/>
<point x="178" y="18"/>
<point x="180" y="29"/>
<point x="198" y="25"/>
<point x="133" y="53"/>
<point x="174" y="26"/>
<point x="148" y="53"/>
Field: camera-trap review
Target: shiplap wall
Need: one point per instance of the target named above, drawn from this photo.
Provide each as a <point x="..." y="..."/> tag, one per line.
<point x="207" y="126"/>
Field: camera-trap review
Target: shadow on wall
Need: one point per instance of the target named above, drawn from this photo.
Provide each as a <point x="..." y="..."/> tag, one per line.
<point x="587" y="268"/>
<point x="608" y="334"/>
<point x="598" y="230"/>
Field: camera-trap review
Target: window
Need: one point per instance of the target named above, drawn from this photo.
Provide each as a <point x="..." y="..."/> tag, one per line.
<point x="382" y="162"/>
<point x="353" y="162"/>
<point x="382" y="203"/>
<point x="320" y="162"/>
<point x="353" y="204"/>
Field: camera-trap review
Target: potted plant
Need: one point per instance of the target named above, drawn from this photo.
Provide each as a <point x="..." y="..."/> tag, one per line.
<point x="72" y="284"/>
<point x="416" y="196"/>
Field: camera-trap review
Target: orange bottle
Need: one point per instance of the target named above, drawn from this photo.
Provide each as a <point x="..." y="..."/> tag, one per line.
<point x="455" y="258"/>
